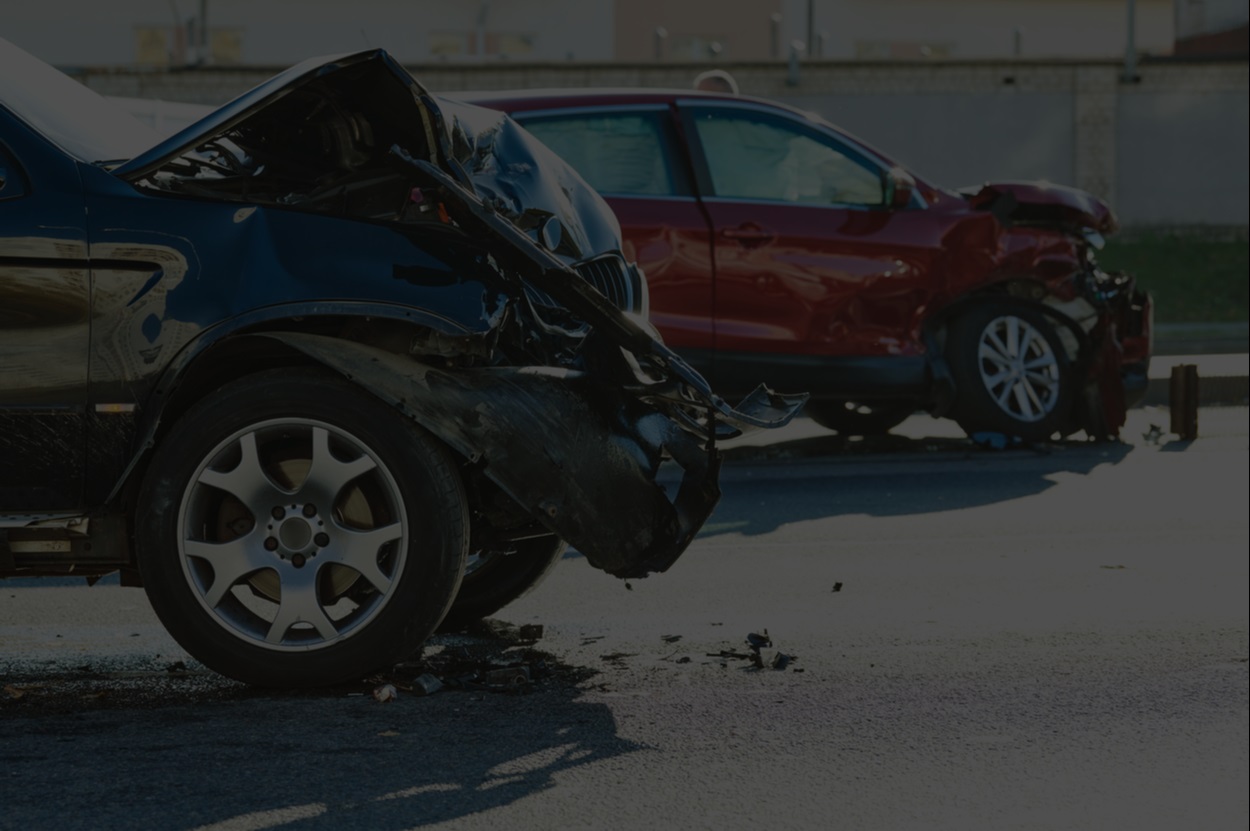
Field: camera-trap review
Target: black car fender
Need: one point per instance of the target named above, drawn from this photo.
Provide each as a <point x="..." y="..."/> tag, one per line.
<point x="217" y="354"/>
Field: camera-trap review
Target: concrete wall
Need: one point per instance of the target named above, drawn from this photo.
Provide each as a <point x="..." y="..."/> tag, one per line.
<point x="964" y="29"/>
<point x="1172" y="148"/>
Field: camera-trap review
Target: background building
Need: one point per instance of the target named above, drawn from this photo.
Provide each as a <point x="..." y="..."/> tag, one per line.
<point x="79" y="33"/>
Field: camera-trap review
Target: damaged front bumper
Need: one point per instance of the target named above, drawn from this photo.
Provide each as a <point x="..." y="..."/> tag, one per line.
<point x="579" y="456"/>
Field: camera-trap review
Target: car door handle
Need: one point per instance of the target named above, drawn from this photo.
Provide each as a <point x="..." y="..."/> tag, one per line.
<point x="748" y="233"/>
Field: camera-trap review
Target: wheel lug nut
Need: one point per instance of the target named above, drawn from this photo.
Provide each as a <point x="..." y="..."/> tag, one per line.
<point x="271" y="543"/>
<point x="310" y="509"/>
<point x="297" y="560"/>
<point x="322" y="539"/>
<point x="277" y="512"/>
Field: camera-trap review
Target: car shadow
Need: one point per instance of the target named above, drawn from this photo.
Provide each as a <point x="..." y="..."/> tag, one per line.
<point x="325" y="759"/>
<point x="825" y="476"/>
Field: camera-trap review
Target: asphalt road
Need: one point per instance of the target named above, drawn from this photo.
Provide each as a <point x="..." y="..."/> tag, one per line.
<point x="1020" y="640"/>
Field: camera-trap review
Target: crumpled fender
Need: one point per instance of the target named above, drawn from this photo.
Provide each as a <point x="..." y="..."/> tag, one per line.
<point x="580" y="457"/>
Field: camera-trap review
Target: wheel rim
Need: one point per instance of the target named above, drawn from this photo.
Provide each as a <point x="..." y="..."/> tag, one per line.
<point x="1019" y="368"/>
<point x="292" y="534"/>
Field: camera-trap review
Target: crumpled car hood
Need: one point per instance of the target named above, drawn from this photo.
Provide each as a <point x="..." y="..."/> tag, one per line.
<point x="1042" y="202"/>
<point x="505" y="166"/>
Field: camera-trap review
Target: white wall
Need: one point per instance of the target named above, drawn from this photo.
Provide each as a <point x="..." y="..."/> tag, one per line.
<point x="77" y="33"/>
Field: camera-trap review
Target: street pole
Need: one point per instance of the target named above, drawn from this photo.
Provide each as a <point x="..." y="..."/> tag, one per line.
<point x="811" y="28"/>
<point x="1130" y="45"/>
<point x="203" y="34"/>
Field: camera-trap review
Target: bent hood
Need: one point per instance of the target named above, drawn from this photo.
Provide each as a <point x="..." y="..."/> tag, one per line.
<point x="1042" y="202"/>
<point x="505" y="166"/>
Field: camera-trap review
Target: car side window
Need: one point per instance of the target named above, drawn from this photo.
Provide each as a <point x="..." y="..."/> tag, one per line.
<point x="757" y="156"/>
<point x="627" y="153"/>
<point x="12" y="183"/>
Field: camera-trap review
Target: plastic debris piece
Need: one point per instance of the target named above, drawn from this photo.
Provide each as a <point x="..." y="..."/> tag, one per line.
<point x="176" y="666"/>
<point x="426" y="684"/>
<point x="385" y="693"/>
<point x="685" y="659"/>
<point x="670" y="638"/>
<point x="837" y="587"/>
<point x="758" y="640"/>
<point x="989" y="440"/>
<point x="530" y="632"/>
<point x="507" y="679"/>
<point x="781" y="660"/>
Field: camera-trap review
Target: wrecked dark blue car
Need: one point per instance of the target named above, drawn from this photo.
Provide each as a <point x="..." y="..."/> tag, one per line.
<point x="335" y="366"/>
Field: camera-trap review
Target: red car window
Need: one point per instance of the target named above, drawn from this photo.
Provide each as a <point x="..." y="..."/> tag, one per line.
<point x="620" y="153"/>
<point x="755" y="156"/>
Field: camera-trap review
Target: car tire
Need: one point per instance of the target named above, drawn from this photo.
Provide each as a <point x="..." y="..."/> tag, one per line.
<point x="492" y="580"/>
<point x="851" y="418"/>
<point x="1011" y="373"/>
<point x="293" y="530"/>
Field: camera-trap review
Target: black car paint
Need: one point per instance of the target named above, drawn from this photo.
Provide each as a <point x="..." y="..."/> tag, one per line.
<point x="156" y="295"/>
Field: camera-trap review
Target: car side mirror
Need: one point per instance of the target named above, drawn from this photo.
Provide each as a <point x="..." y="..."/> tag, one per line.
<point x="899" y="187"/>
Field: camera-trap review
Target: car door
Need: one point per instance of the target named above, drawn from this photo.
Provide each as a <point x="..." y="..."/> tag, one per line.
<point x="819" y="283"/>
<point x="631" y="156"/>
<point x="44" y="325"/>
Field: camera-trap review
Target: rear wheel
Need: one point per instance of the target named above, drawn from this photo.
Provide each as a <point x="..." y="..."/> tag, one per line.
<point x="295" y="531"/>
<point x="851" y="418"/>
<point x="1011" y="373"/>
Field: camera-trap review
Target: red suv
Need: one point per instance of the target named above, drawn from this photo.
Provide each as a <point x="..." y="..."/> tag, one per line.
<point x="780" y="249"/>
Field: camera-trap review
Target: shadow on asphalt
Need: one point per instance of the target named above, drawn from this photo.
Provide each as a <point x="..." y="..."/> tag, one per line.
<point x="887" y="476"/>
<point x="200" y="751"/>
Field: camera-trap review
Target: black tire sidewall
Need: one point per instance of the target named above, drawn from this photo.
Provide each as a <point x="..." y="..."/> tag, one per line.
<point x="508" y="578"/>
<point x="974" y="408"/>
<point x="885" y="416"/>
<point x="433" y="498"/>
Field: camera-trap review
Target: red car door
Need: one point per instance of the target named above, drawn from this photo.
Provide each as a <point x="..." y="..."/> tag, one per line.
<point x="630" y="155"/>
<point x="814" y="269"/>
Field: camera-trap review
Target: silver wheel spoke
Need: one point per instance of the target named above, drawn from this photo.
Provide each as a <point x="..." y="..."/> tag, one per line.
<point x="358" y="550"/>
<point x="231" y="562"/>
<point x="1023" y="405"/>
<point x="248" y="481"/>
<point x="327" y="474"/>
<point x="1013" y="337"/>
<point x="996" y="344"/>
<point x="1036" y="408"/>
<point x="299" y="604"/>
<point x="1043" y="360"/>
<point x="993" y="382"/>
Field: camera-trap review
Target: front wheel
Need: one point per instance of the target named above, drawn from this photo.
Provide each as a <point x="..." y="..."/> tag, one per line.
<point x="296" y="531"/>
<point x="1011" y="373"/>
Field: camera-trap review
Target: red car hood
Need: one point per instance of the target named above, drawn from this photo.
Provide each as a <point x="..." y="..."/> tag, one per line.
<point x="1034" y="202"/>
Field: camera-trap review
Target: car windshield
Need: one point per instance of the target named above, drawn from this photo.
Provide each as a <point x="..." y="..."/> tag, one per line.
<point x="75" y="118"/>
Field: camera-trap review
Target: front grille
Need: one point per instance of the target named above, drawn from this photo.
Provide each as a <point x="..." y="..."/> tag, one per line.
<point x="610" y="276"/>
